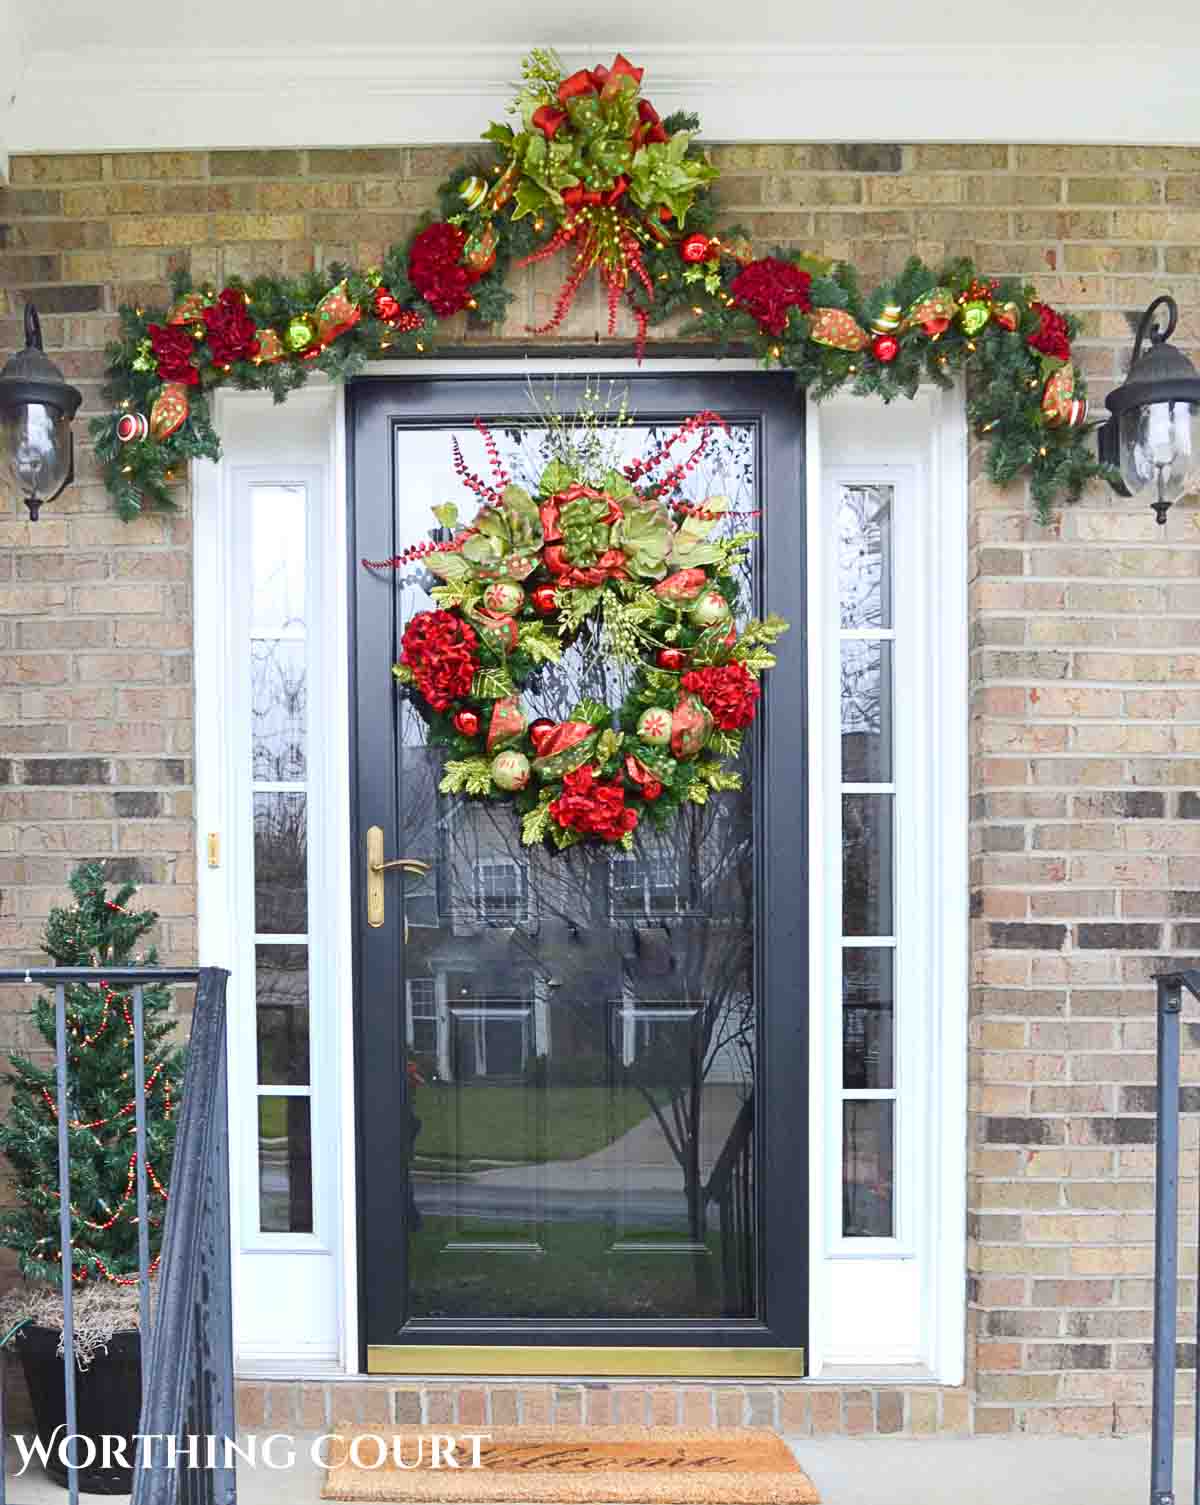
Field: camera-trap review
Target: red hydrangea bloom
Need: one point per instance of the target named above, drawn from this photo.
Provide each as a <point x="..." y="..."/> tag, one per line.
<point x="1051" y="337"/>
<point x="231" y="331"/>
<point x="768" y="288"/>
<point x="593" y="808"/>
<point x="730" y="692"/>
<point x="435" y="270"/>
<point x="439" y="648"/>
<point x="173" y="345"/>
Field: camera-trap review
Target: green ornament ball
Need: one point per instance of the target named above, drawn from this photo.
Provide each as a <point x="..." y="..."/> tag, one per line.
<point x="710" y="609"/>
<point x="654" y="726"/>
<point x="974" y="318"/>
<point x="510" y="771"/>
<point x="300" y="334"/>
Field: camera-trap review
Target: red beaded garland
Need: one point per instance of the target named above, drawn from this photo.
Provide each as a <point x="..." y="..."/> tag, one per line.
<point x="672" y="659"/>
<point x="466" y="723"/>
<point x="885" y="347"/>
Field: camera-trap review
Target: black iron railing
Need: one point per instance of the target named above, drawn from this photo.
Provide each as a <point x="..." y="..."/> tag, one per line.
<point x="187" y="1339"/>
<point x="1171" y="987"/>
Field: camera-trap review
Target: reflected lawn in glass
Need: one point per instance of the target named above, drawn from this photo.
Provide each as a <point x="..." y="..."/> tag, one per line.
<point x="285" y="1165"/>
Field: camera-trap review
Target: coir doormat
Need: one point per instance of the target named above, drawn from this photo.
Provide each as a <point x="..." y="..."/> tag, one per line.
<point x="565" y="1466"/>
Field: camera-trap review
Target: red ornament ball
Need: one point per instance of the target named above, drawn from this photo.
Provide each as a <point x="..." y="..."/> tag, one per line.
<point x="386" y="306"/>
<point x="466" y="723"/>
<point x="695" y="247"/>
<point x="539" y="730"/>
<point x="542" y="598"/>
<point x="885" y="347"/>
<point x="672" y="659"/>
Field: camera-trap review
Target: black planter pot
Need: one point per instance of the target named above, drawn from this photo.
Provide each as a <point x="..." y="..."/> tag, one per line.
<point x="108" y="1403"/>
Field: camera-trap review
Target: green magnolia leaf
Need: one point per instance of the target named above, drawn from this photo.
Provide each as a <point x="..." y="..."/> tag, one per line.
<point x="447" y="515"/>
<point x="616" y="484"/>
<point x="523" y="519"/>
<point x="501" y="134"/>
<point x="403" y="673"/>
<point x="695" y="526"/>
<point x="644" y="535"/>
<point x="556" y="477"/>
<point x="480" y="549"/>
<point x="686" y="555"/>
<point x="445" y="565"/>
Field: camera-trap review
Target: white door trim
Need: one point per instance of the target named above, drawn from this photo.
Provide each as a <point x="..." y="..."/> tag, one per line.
<point x="321" y="416"/>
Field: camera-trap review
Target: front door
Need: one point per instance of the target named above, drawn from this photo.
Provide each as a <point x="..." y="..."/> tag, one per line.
<point x="582" y="1101"/>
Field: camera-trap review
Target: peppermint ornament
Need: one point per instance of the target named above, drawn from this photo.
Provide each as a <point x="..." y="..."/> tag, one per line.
<point x="885" y="348"/>
<point x="510" y="770"/>
<point x="671" y="659"/>
<point x="710" y="609"/>
<point x="132" y="426"/>
<point x="505" y="597"/>
<point x="888" y="319"/>
<point x="543" y="598"/>
<point x="466" y="723"/>
<point x="654" y="726"/>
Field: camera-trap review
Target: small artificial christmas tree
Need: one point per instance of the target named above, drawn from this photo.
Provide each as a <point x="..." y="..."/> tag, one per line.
<point x="98" y="930"/>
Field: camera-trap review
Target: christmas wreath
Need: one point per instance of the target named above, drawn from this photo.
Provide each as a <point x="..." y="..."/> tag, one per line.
<point x="652" y="581"/>
<point x="590" y="169"/>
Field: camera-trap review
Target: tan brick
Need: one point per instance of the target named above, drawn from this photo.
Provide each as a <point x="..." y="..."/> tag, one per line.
<point x="160" y="230"/>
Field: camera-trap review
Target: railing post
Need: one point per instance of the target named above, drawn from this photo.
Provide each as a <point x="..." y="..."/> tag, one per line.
<point x="143" y="1201"/>
<point x="1166" y="1243"/>
<point x="64" y="1225"/>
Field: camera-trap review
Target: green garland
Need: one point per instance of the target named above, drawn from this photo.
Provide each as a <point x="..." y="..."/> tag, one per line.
<point x="594" y="173"/>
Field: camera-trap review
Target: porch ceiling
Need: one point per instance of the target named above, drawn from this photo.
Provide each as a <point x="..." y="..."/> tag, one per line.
<point x="75" y="76"/>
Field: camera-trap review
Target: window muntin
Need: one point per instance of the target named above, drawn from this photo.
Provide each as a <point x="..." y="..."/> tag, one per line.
<point x="277" y="655"/>
<point x="866" y="663"/>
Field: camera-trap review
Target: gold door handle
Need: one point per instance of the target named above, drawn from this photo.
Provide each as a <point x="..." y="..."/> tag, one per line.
<point x="376" y="867"/>
<point x="409" y="864"/>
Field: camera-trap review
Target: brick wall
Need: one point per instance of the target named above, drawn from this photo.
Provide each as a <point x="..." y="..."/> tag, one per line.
<point x="1085" y="686"/>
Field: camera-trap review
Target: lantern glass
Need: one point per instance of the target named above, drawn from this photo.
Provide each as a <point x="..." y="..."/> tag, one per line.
<point x="1156" y="448"/>
<point x="37" y="448"/>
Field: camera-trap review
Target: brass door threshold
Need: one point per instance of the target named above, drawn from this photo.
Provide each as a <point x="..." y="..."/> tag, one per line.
<point x="518" y="1361"/>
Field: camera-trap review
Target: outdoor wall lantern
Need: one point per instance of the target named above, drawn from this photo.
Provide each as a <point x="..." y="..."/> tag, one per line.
<point x="36" y="409"/>
<point x="1149" y="437"/>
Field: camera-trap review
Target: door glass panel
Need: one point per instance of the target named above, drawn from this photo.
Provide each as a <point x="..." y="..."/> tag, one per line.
<point x="867" y="864"/>
<point x="867" y="1169"/>
<point x="866" y="694"/>
<point x="868" y="1009"/>
<point x="285" y="1165"/>
<point x="581" y="1026"/>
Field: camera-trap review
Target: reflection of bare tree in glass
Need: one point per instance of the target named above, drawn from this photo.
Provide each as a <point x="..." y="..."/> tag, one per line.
<point x="643" y="962"/>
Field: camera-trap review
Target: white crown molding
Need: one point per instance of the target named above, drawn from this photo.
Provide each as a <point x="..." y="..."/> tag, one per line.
<point x="130" y="98"/>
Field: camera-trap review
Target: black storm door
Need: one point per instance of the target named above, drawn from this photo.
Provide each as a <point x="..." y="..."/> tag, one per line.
<point x="582" y="1076"/>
